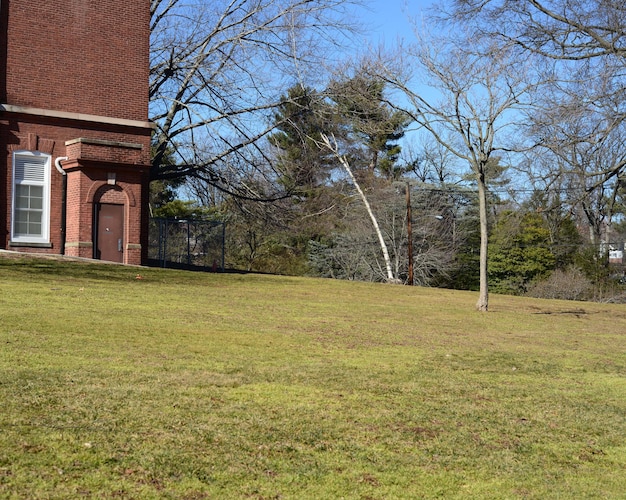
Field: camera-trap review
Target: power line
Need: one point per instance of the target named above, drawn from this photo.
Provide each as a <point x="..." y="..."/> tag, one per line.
<point x="499" y="190"/>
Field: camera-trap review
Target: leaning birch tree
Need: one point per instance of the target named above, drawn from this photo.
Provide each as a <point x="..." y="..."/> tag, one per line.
<point x="332" y="145"/>
<point x="467" y="102"/>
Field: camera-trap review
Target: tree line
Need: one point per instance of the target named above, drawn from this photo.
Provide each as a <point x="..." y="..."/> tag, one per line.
<point x="485" y="153"/>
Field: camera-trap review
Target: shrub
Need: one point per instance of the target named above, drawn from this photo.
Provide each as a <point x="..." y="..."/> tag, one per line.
<point x="569" y="284"/>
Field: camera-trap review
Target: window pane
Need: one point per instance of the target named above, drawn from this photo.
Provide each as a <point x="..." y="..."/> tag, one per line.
<point x="21" y="216"/>
<point x="21" y="228"/>
<point x="21" y="196"/>
<point x="36" y="197"/>
<point x="22" y="202"/>
<point x="34" y="217"/>
<point x="34" y="229"/>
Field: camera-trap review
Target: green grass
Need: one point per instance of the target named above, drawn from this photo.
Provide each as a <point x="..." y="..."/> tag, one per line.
<point x="182" y="385"/>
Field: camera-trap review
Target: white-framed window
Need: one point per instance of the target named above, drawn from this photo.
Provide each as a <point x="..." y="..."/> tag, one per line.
<point x="30" y="221"/>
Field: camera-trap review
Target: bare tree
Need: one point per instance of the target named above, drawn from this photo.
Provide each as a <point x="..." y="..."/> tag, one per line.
<point x="353" y="251"/>
<point x="587" y="145"/>
<point x="467" y="105"/>
<point x="582" y="46"/>
<point x="430" y="162"/>
<point x="219" y="70"/>
<point x="557" y="29"/>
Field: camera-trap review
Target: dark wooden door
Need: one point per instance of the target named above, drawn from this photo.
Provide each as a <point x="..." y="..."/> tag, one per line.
<point x="110" y="232"/>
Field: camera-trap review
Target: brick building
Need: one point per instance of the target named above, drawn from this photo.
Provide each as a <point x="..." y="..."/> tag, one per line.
<point x="74" y="130"/>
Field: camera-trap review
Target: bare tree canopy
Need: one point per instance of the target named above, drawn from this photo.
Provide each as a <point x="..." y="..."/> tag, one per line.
<point x="218" y="71"/>
<point x="587" y="147"/>
<point x="579" y="111"/>
<point x="560" y="29"/>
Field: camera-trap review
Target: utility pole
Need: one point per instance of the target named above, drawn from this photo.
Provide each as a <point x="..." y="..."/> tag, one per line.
<point x="409" y="233"/>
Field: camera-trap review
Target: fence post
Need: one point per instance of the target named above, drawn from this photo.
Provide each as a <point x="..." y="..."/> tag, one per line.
<point x="165" y="243"/>
<point x="223" y="244"/>
<point x="188" y="243"/>
<point x="160" y="226"/>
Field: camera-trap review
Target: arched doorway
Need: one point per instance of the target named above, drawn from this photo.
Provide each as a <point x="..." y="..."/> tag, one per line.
<point x="109" y="227"/>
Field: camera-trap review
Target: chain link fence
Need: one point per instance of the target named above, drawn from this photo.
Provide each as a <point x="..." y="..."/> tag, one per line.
<point x="186" y="244"/>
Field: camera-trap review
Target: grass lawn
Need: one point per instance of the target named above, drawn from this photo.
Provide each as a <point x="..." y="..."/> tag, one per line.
<point x="121" y="382"/>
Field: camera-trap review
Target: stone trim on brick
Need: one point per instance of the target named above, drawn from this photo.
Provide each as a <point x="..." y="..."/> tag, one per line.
<point x="102" y="142"/>
<point x="15" y="244"/>
<point x="27" y="110"/>
<point x="79" y="244"/>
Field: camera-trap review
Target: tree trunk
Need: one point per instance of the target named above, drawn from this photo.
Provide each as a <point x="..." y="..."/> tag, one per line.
<point x="379" y="234"/>
<point x="483" y="298"/>
<point x="344" y="163"/>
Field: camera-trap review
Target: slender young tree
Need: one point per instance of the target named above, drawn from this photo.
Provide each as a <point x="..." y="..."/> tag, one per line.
<point x="473" y="91"/>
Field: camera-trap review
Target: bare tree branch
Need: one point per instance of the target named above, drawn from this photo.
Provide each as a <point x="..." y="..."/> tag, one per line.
<point x="219" y="71"/>
<point x="557" y="29"/>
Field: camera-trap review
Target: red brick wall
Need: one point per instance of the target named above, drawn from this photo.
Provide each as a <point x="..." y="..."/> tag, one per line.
<point x="81" y="56"/>
<point x="78" y="56"/>
<point x="49" y="136"/>
<point x="87" y="187"/>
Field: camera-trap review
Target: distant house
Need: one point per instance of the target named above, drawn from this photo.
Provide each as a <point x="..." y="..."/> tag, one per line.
<point x="74" y="130"/>
<point x="616" y="254"/>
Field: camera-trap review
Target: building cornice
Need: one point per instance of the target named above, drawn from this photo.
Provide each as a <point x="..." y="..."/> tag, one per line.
<point x="49" y="113"/>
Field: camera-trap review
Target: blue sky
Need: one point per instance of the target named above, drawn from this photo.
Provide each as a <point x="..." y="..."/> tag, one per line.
<point x="390" y="19"/>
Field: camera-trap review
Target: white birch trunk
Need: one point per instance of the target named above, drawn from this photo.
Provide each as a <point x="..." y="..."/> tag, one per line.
<point x="379" y="234"/>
